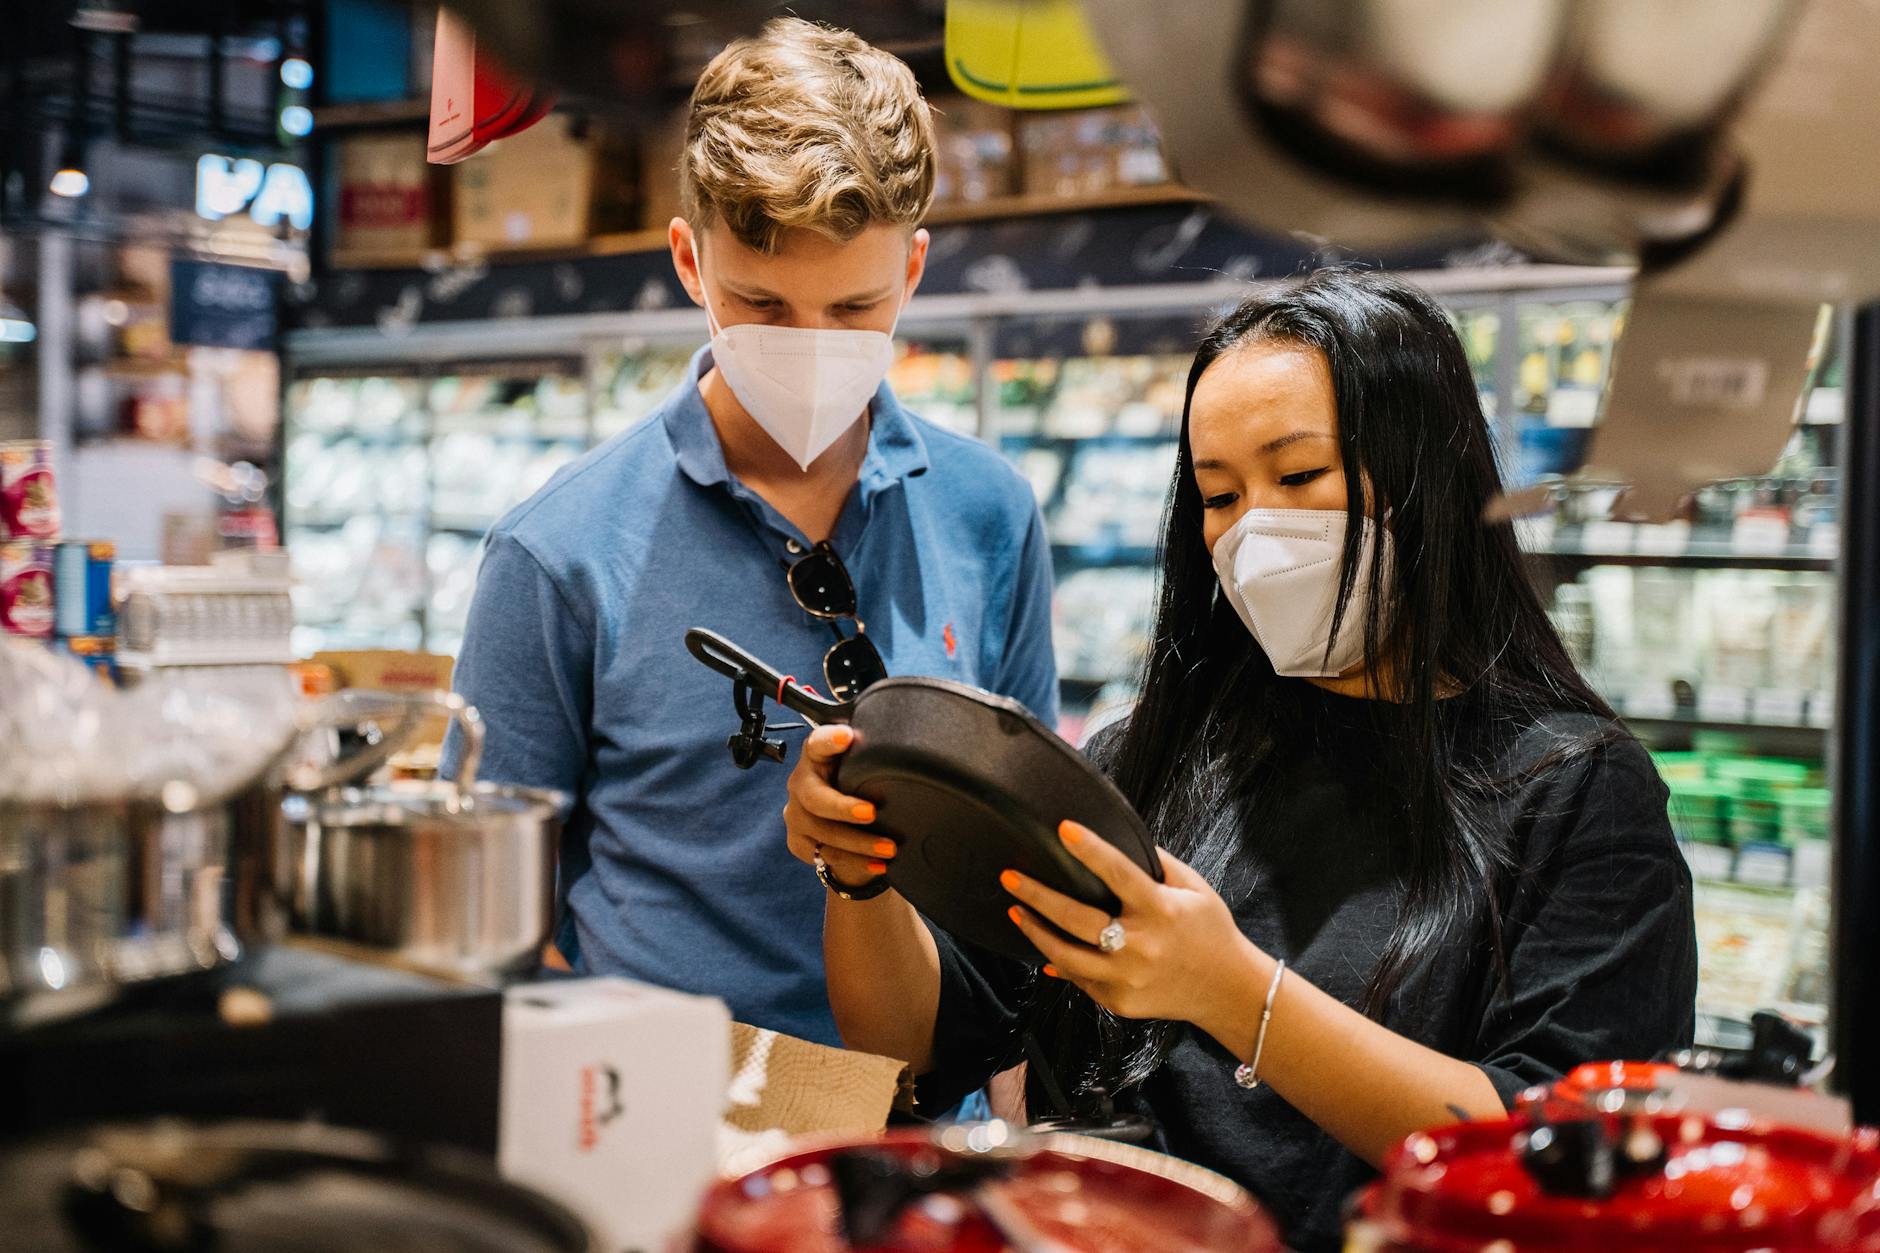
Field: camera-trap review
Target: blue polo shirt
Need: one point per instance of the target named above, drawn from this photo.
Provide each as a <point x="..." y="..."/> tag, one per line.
<point x="673" y="863"/>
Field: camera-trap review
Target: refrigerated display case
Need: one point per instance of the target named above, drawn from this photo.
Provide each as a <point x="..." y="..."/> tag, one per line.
<point x="394" y="476"/>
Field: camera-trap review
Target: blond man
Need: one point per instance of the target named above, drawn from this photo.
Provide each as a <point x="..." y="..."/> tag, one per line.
<point x="808" y="166"/>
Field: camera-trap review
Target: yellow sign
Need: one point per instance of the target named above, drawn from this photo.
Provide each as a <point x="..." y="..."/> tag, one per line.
<point x="1028" y="54"/>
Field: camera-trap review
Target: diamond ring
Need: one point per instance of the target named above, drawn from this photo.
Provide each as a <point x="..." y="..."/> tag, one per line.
<point x="1112" y="938"/>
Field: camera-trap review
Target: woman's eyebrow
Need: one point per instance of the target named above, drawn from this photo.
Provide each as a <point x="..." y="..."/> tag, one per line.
<point x="1286" y="441"/>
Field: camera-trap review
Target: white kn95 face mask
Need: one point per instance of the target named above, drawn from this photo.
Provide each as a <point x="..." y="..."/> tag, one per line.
<point x="1279" y="569"/>
<point x="806" y="386"/>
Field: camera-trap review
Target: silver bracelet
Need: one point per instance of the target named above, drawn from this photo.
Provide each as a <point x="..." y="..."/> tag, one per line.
<point x="1247" y="1075"/>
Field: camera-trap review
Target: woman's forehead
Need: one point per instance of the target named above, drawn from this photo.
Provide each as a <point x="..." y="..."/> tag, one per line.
<point x="1246" y="396"/>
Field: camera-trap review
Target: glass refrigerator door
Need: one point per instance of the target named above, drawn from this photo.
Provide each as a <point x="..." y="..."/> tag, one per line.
<point x="1713" y="638"/>
<point x="499" y="432"/>
<point x="354" y="502"/>
<point x="1090" y="412"/>
<point x="933" y="375"/>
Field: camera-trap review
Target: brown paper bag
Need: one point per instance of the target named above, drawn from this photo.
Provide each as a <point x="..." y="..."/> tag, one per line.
<point x="784" y="1089"/>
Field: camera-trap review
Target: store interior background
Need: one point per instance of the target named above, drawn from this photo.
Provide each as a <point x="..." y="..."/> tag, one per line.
<point x="426" y="345"/>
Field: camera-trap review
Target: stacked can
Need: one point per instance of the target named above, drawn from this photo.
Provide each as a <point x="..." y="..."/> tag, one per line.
<point x="29" y="498"/>
<point x="59" y="592"/>
<point x="29" y="521"/>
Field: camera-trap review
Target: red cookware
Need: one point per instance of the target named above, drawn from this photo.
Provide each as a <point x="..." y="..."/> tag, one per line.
<point x="1542" y="1182"/>
<point x="981" y="1188"/>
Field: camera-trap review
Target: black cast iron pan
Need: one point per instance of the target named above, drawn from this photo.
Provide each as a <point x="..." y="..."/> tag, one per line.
<point x="967" y="784"/>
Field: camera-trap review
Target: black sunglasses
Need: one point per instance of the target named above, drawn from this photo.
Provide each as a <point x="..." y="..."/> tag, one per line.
<point x="823" y="589"/>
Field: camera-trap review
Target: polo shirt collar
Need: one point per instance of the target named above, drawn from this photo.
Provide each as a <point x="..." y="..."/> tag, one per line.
<point x="896" y="450"/>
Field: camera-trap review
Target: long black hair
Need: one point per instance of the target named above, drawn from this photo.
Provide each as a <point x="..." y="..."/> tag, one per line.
<point x="1455" y="629"/>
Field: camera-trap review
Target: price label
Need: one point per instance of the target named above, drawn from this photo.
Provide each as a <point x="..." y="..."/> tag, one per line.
<point x="1716" y="703"/>
<point x="1778" y="707"/>
<point x="1609" y="537"/>
<point x="1824" y="540"/>
<point x="1820" y="709"/>
<point x="1673" y="539"/>
<point x="1759" y="536"/>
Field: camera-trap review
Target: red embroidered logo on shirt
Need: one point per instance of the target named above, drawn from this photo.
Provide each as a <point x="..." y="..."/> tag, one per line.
<point x="952" y="642"/>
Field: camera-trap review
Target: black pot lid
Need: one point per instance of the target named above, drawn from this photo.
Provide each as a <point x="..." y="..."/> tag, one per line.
<point x="265" y="1188"/>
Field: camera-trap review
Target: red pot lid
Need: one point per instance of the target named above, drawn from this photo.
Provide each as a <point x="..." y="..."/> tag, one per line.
<point x="1720" y="1189"/>
<point x="1082" y="1194"/>
<point x="1594" y="1077"/>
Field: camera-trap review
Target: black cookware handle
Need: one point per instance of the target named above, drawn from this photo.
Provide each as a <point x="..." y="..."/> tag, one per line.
<point x="740" y="667"/>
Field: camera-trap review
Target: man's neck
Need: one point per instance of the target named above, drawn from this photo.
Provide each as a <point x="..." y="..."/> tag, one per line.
<point x="813" y="498"/>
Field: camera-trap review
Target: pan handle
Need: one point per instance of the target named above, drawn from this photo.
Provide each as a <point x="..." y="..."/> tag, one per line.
<point x="739" y="666"/>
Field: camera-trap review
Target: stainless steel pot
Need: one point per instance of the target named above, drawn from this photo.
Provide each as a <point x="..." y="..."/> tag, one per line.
<point x="451" y="877"/>
<point x="100" y="895"/>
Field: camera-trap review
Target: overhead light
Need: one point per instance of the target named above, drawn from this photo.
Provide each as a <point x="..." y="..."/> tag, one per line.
<point x="107" y="17"/>
<point x="17" y="331"/>
<point x="71" y="181"/>
<point x="297" y="120"/>
<point x="296" y="74"/>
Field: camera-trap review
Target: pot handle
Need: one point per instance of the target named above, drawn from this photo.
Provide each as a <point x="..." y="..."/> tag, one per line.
<point x="357" y="706"/>
<point x="740" y="667"/>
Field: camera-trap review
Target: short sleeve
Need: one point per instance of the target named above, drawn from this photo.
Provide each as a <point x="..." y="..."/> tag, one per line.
<point x="526" y="665"/>
<point x="975" y="1026"/>
<point x="1599" y="934"/>
<point x="1027" y="670"/>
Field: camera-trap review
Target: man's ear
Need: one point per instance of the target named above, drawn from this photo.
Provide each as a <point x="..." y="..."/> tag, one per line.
<point x="916" y="261"/>
<point x="680" y="238"/>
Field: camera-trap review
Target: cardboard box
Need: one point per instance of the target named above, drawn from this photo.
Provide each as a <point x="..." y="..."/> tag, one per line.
<point x="611" y="1097"/>
<point x="661" y="145"/>
<point x="385" y="197"/>
<point x="388" y="670"/>
<point x="549" y="186"/>
<point x="976" y="151"/>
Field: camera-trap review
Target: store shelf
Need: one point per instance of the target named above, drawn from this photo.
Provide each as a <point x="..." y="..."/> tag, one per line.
<point x="1700" y="556"/>
<point x="330" y="522"/>
<point x="1107" y="440"/>
<point x="655" y="239"/>
<point x="463" y="524"/>
<point x="1101" y="556"/>
<point x="331" y="117"/>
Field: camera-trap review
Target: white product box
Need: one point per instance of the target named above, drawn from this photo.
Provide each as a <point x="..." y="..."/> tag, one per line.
<point x="611" y="1097"/>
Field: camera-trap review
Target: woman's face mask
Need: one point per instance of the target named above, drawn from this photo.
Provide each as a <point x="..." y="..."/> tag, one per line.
<point x="1279" y="569"/>
<point x="805" y="386"/>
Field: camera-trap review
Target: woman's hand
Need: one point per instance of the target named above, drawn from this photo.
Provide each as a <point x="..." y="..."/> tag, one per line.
<point x="819" y="817"/>
<point x="1176" y="933"/>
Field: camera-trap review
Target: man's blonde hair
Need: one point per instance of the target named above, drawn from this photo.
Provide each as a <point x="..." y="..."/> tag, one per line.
<point x="805" y="125"/>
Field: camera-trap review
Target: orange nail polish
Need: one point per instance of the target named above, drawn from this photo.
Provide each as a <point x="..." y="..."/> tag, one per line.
<point x="864" y="812"/>
<point x="1052" y="972"/>
<point x="842" y="738"/>
<point x="884" y="848"/>
<point x="1070" y="832"/>
<point x="1008" y="879"/>
<point x="1015" y="915"/>
<point x="877" y="867"/>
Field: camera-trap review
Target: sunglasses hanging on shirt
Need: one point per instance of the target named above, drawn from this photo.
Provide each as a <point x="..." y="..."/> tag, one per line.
<point x="823" y="589"/>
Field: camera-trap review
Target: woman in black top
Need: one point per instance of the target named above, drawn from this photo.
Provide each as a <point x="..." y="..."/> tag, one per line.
<point x="1364" y="752"/>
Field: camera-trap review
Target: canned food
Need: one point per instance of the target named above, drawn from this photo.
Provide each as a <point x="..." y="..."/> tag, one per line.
<point x="29" y="500"/>
<point x="26" y="590"/>
<point x="81" y="585"/>
<point x="97" y="651"/>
